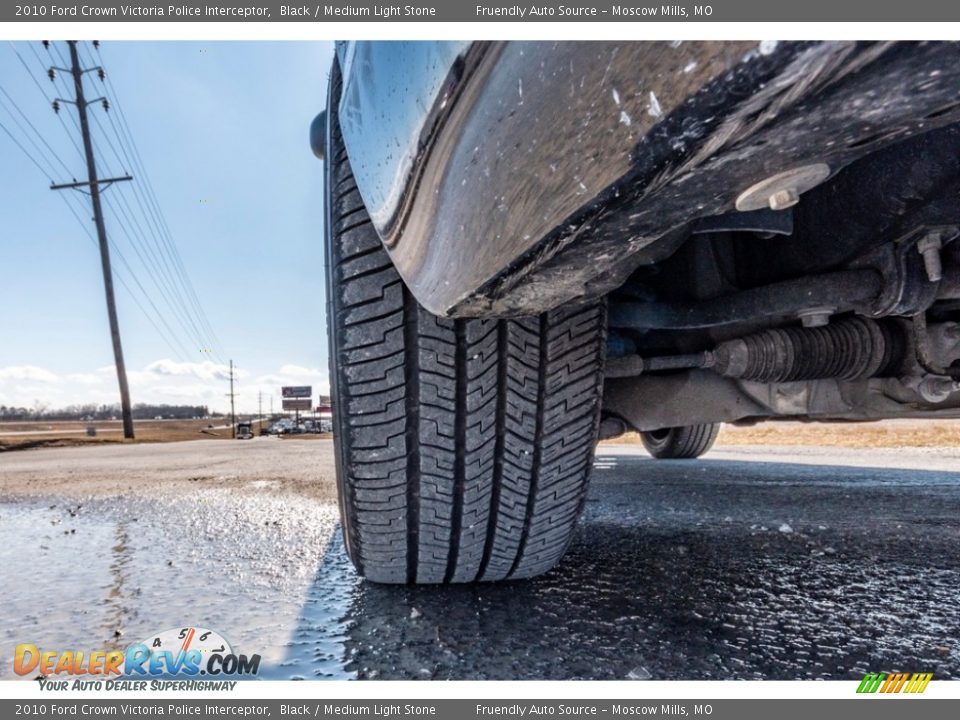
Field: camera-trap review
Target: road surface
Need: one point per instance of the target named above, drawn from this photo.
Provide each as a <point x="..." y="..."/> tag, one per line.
<point x="754" y="562"/>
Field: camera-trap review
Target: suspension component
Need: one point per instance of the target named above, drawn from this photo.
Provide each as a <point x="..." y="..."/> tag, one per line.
<point x="832" y="292"/>
<point x="852" y="348"/>
<point x="849" y="349"/>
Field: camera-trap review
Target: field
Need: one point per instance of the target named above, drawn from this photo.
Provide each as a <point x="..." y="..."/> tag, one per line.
<point x="883" y="434"/>
<point x="25" y="435"/>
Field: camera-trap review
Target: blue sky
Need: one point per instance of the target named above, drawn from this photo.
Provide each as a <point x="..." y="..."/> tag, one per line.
<point x="222" y="131"/>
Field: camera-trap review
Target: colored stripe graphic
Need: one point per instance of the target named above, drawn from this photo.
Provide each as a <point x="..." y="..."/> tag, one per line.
<point x="919" y="682"/>
<point x="871" y="682"/>
<point x="894" y="683"/>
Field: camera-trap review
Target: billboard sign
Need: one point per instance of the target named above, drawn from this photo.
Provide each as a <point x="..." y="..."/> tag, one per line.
<point x="297" y="403"/>
<point x="296" y="391"/>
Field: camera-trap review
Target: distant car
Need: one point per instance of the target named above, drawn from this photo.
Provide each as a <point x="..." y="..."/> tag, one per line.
<point x="531" y="246"/>
<point x="318" y="425"/>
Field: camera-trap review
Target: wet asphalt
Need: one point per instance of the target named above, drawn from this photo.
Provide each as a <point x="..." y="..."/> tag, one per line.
<point x="752" y="563"/>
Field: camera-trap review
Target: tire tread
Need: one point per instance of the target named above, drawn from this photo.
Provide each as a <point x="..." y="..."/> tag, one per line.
<point x="464" y="446"/>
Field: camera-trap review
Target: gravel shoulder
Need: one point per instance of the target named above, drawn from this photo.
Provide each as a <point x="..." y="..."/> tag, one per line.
<point x="303" y="467"/>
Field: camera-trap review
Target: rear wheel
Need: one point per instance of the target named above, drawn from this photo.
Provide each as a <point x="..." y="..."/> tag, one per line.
<point x="463" y="446"/>
<point x="680" y="443"/>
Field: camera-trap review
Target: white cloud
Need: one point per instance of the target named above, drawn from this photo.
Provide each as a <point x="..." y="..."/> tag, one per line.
<point x="195" y="394"/>
<point x="204" y="371"/>
<point x="85" y="378"/>
<point x="162" y="381"/>
<point x="297" y="371"/>
<point x="294" y="375"/>
<point x="27" y="373"/>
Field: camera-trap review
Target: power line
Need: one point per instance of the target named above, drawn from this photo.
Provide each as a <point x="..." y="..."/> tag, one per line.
<point x="43" y="92"/>
<point x="50" y="173"/>
<point x="23" y="149"/>
<point x="133" y="230"/>
<point x="169" y="337"/>
<point x="233" y="414"/>
<point x="33" y="127"/>
<point x="169" y="264"/>
<point x="137" y="244"/>
<point x="171" y="291"/>
<point x="66" y="199"/>
<point x="171" y="269"/>
<point x="175" y="267"/>
<point x="155" y="205"/>
<point x="174" y="293"/>
<point x="45" y="66"/>
<point x="57" y="78"/>
<point x="165" y="242"/>
<point x="80" y="102"/>
<point x="170" y="343"/>
<point x="125" y="216"/>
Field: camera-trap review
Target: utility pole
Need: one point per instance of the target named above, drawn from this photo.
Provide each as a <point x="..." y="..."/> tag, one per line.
<point x="259" y="409"/>
<point x="233" y="414"/>
<point x="94" y="189"/>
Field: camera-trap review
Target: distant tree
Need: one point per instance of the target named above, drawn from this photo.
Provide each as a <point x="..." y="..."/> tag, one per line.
<point x="90" y="411"/>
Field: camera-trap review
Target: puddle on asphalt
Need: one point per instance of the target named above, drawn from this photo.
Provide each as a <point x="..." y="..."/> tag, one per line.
<point x="672" y="578"/>
<point x="104" y="575"/>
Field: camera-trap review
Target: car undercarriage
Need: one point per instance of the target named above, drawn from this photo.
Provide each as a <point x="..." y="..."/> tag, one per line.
<point x="843" y="306"/>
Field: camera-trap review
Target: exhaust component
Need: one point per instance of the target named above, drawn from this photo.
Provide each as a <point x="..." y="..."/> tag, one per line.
<point x="610" y="427"/>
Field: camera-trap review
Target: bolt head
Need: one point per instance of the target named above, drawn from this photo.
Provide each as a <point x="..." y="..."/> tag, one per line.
<point x="783" y="199"/>
<point x="928" y="243"/>
<point x="815" y="321"/>
<point x="819" y="317"/>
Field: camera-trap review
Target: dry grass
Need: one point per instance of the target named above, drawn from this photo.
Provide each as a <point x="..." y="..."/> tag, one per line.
<point x="884" y="434"/>
<point x="71" y="433"/>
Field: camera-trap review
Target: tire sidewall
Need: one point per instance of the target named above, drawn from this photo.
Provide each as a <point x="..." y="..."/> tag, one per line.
<point x="658" y="442"/>
<point x="339" y="418"/>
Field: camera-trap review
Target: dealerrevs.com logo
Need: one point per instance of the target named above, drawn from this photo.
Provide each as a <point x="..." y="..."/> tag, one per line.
<point x="189" y="652"/>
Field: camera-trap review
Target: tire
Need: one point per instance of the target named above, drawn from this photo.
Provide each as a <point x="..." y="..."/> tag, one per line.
<point x="463" y="446"/>
<point x="680" y="443"/>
